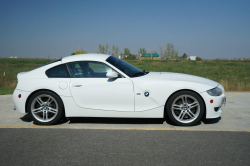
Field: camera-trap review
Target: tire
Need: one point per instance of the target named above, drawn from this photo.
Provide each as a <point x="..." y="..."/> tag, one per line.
<point x="187" y="114"/>
<point x="45" y="108"/>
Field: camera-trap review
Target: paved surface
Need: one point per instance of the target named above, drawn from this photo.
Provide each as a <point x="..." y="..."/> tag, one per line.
<point x="235" y="117"/>
<point x="134" y="142"/>
<point x="123" y="147"/>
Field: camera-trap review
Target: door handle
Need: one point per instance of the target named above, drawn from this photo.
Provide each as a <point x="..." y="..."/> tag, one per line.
<point x="77" y="85"/>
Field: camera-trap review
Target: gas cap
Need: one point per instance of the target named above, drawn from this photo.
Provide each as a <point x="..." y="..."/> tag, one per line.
<point x="63" y="85"/>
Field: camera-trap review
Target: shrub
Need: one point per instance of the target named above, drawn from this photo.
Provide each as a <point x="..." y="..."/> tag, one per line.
<point x="198" y="58"/>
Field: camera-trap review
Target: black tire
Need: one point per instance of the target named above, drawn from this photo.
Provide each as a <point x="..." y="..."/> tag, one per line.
<point x="198" y="111"/>
<point x="56" y="117"/>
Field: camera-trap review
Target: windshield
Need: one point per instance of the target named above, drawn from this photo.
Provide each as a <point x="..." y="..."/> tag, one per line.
<point x="125" y="67"/>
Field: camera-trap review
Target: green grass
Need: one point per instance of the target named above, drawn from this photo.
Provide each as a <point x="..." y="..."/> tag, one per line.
<point x="12" y="67"/>
<point x="233" y="75"/>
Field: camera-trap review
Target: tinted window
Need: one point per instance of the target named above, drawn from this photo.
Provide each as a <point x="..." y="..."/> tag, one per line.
<point x="86" y="69"/>
<point x="125" y="67"/>
<point x="59" y="71"/>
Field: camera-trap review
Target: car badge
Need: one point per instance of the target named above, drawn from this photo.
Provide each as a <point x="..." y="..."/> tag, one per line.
<point x="146" y="94"/>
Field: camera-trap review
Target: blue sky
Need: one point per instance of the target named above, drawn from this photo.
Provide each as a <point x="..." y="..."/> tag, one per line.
<point x="204" y="28"/>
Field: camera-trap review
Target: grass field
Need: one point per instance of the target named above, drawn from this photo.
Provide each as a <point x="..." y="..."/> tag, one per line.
<point x="233" y="75"/>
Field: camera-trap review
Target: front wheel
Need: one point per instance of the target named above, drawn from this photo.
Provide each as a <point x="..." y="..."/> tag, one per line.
<point x="45" y="108"/>
<point x="185" y="108"/>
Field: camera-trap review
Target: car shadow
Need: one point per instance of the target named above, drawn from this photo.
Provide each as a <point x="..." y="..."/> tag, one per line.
<point x="117" y="120"/>
<point x="84" y="120"/>
<point x="26" y="118"/>
<point x="211" y="121"/>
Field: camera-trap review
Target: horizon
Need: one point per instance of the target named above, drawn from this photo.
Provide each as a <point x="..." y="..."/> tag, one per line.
<point x="206" y="29"/>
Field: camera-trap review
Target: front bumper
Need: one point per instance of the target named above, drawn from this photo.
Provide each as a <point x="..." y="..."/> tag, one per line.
<point x="213" y="110"/>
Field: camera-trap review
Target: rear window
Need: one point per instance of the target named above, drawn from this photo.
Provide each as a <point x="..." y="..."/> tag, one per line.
<point x="59" y="71"/>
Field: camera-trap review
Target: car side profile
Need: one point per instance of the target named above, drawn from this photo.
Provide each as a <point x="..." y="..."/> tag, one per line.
<point x="100" y="85"/>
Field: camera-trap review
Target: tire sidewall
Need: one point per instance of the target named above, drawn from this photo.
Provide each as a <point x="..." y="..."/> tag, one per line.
<point x="169" y="108"/>
<point x="59" y="115"/>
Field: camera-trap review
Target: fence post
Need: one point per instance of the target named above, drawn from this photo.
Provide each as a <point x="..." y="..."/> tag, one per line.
<point x="3" y="76"/>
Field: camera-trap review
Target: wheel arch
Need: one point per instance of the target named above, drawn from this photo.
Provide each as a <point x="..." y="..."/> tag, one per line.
<point x="165" y="107"/>
<point x="26" y="103"/>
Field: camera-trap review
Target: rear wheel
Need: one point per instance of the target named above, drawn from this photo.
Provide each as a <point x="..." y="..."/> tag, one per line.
<point x="185" y="108"/>
<point x="45" y="108"/>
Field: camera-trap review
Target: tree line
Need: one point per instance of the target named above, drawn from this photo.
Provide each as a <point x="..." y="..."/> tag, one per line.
<point x="165" y="53"/>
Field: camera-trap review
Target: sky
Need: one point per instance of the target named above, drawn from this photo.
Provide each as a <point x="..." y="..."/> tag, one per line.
<point x="56" y="28"/>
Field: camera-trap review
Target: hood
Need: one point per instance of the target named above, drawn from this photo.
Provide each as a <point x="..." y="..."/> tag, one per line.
<point x="180" y="77"/>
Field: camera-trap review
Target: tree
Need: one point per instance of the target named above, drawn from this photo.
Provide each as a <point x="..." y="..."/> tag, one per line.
<point x="116" y="50"/>
<point x="176" y="55"/>
<point x="113" y="50"/>
<point x="199" y="59"/>
<point x="79" y="52"/>
<point x="142" y="51"/>
<point x="106" y="48"/>
<point x="169" y="52"/>
<point x="184" y="56"/>
<point x="101" y="49"/>
<point x="126" y="51"/>
<point x="172" y="50"/>
<point x="130" y="57"/>
<point x="161" y="52"/>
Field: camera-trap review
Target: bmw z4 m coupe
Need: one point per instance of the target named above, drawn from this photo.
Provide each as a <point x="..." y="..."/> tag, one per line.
<point x="99" y="85"/>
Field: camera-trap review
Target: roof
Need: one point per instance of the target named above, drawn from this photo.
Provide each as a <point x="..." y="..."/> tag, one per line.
<point x="156" y="55"/>
<point x="149" y="55"/>
<point x="90" y="57"/>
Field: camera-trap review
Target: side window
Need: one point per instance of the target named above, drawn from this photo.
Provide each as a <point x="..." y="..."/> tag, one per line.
<point x="85" y="69"/>
<point x="59" y="71"/>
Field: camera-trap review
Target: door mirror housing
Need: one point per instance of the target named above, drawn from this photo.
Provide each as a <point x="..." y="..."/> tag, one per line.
<point x="112" y="74"/>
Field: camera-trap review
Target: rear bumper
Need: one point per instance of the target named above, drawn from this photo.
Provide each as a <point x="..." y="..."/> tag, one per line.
<point x="20" y="102"/>
<point x="213" y="110"/>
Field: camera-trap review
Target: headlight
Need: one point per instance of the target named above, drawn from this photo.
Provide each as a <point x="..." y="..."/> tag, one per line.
<point x="214" y="92"/>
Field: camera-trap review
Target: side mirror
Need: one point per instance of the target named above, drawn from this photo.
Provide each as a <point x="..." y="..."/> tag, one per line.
<point x="112" y="74"/>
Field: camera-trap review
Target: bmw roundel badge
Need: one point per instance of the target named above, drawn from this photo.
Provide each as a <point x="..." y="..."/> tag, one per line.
<point x="146" y="94"/>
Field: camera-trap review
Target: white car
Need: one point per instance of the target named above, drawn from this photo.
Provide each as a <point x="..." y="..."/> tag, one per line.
<point x="98" y="85"/>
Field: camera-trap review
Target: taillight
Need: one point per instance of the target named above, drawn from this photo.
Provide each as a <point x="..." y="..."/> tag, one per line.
<point x="19" y="96"/>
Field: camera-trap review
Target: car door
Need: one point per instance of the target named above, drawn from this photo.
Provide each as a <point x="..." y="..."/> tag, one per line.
<point x="91" y="88"/>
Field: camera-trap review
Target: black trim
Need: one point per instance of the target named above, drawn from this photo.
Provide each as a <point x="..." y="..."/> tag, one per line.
<point x="68" y="69"/>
